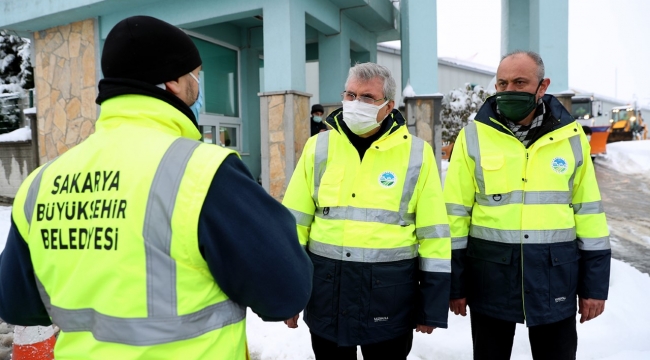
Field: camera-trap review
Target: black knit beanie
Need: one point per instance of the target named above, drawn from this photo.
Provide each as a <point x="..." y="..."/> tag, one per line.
<point x="146" y="49"/>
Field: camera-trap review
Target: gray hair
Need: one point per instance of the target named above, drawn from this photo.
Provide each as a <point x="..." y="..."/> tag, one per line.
<point x="533" y="55"/>
<point x="368" y="71"/>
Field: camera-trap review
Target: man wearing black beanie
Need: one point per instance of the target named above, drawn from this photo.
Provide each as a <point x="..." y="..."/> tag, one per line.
<point x="155" y="243"/>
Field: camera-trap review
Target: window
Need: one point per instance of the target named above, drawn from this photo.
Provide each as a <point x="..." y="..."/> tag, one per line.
<point x="219" y="118"/>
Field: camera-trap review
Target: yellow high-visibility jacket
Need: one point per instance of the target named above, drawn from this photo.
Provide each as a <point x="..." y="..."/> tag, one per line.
<point x="369" y="225"/>
<point x="118" y="269"/>
<point x="527" y="223"/>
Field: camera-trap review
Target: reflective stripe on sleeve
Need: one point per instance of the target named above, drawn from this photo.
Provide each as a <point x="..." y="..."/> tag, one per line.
<point x="435" y="265"/>
<point x="433" y="232"/>
<point x="458" y="210"/>
<point x="302" y="218"/>
<point x="459" y="243"/>
<point x="592" y="244"/>
<point x="348" y="253"/>
<point x="588" y="208"/>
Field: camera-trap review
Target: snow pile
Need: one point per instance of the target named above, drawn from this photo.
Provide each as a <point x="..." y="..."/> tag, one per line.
<point x="628" y="157"/>
<point x="22" y="134"/>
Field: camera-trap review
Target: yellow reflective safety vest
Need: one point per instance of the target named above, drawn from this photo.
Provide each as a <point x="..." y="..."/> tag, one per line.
<point x="111" y="227"/>
<point x="529" y="222"/>
<point x="356" y="215"/>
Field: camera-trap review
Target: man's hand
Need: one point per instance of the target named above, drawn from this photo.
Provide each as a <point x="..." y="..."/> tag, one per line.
<point x="424" y="329"/>
<point x="458" y="306"/>
<point x="590" y="308"/>
<point x="293" y="322"/>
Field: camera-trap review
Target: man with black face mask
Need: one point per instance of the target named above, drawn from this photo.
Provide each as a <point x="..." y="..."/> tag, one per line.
<point x="528" y="229"/>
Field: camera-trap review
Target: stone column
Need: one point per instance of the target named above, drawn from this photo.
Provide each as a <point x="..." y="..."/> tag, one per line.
<point x="284" y="128"/>
<point x="65" y="77"/>
<point x="565" y="99"/>
<point x="423" y="120"/>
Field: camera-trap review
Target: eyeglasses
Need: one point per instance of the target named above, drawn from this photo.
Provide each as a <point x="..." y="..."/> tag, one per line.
<point x="348" y="96"/>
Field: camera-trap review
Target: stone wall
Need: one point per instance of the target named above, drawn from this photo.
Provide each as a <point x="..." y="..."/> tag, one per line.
<point x="16" y="162"/>
<point x="65" y="76"/>
<point x="285" y="128"/>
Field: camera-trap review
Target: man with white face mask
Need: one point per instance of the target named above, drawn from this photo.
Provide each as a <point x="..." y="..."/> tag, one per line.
<point x="369" y="210"/>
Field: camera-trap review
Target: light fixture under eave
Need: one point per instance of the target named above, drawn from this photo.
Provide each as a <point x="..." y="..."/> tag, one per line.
<point x="259" y="17"/>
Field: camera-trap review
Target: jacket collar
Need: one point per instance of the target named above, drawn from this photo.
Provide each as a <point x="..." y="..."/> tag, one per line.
<point x="145" y="111"/>
<point x="555" y="113"/>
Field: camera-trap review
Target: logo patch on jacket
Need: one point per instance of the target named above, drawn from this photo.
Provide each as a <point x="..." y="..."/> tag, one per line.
<point x="387" y="179"/>
<point x="559" y="165"/>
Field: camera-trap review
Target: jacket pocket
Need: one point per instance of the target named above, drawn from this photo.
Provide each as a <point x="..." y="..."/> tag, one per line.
<point x="321" y="303"/>
<point x="330" y="186"/>
<point x="563" y="273"/>
<point x="392" y="295"/>
<point x="495" y="174"/>
<point x="490" y="273"/>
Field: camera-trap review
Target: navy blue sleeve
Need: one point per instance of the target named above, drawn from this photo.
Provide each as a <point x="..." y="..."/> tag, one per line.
<point x="434" y="299"/>
<point x="594" y="274"/>
<point x="20" y="302"/>
<point x="457" y="276"/>
<point x="250" y="243"/>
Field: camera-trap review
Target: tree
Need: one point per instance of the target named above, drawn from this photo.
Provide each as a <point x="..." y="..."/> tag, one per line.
<point x="458" y="107"/>
<point x="16" y="74"/>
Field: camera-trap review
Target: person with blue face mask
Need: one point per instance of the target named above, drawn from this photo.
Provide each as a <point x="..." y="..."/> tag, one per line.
<point x="316" y="120"/>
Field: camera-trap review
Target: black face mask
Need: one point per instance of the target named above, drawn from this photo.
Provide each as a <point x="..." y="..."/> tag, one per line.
<point x="516" y="105"/>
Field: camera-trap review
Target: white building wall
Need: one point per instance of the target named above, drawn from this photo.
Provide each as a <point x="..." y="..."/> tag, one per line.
<point x="450" y="77"/>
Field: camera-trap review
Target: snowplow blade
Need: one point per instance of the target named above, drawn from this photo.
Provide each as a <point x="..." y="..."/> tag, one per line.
<point x="599" y="139"/>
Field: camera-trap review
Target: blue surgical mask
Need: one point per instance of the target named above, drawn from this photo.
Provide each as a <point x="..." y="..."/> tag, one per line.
<point x="196" y="107"/>
<point x="318" y="118"/>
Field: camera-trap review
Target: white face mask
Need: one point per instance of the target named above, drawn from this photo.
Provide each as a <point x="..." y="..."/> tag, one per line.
<point x="360" y="117"/>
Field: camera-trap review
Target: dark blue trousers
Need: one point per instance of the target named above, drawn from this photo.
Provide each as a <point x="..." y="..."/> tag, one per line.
<point x="492" y="339"/>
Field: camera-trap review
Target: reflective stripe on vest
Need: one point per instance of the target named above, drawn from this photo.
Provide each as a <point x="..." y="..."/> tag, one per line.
<point x="523" y="236"/>
<point x="162" y="324"/>
<point x="365" y="215"/>
<point x="30" y="201"/>
<point x="320" y="160"/>
<point x="348" y="253"/>
<point x="518" y="196"/>
<point x="403" y="217"/>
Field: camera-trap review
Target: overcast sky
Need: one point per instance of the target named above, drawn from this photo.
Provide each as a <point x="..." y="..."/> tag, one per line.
<point x="609" y="42"/>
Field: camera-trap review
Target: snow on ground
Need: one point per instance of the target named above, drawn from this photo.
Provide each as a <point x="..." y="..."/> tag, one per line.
<point x="628" y="157"/>
<point x="621" y="333"/>
<point x="21" y="134"/>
